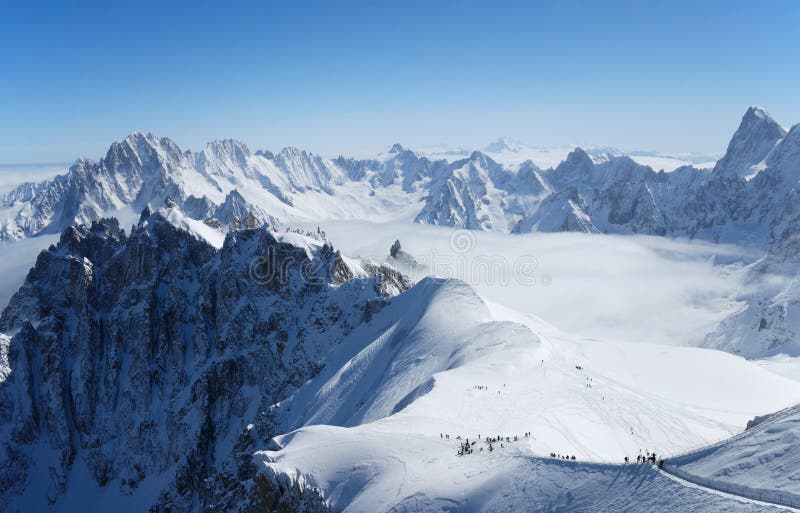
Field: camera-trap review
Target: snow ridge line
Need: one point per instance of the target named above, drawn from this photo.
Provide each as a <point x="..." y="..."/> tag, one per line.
<point x="672" y="464"/>
<point x="774" y="417"/>
<point x="767" y="497"/>
<point x="771" y="497"/>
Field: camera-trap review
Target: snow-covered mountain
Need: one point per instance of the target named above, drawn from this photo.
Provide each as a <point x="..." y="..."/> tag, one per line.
<point x="749" y="198"/>
<point x="175" y="368"/>
<point x="501" y="376"/>
<point x="751" y="144"/>
<point x="478" y="193"/>
<point x="219" y="184"/>
<point x="600" y="191"/>
<point x="207" y="360"/>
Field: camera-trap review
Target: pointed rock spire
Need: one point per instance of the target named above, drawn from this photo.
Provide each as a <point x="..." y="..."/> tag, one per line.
<point x="751" y="143"/>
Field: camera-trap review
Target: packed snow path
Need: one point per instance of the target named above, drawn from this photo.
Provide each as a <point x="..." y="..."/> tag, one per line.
<point x="763" y="497"/>
<point x="745" y="494"/>
<point x="501" y="481"/>
<point x="760" y="463"/>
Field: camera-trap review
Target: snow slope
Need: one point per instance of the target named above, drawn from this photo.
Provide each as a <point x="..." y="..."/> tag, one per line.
<point x="765" y="458"/>
<point x="371" y="447"/>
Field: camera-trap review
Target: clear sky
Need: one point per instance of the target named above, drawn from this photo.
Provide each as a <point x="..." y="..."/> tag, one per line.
<point x="354" y="77"/>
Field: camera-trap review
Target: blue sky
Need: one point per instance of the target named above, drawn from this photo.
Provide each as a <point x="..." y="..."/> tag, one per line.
<point x="355" y="77"/>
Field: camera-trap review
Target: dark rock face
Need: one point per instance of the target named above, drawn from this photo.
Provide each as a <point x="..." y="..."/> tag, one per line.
<point x="274" y="493"/>
<point x="155" y="355"/>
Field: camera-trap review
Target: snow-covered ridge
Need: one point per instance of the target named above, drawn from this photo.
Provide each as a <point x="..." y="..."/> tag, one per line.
<point x="163" y="368"/>
<point x="380" y="428"/>
<point x="224" y="183"/>
<point x="761" y="462"/>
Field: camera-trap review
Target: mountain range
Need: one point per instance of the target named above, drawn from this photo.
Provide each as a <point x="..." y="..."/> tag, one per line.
<point x="594" y="192"/>
<point x="748" y="198"/>
<point x="168" y="369"/>
<point x="212" y="357"/>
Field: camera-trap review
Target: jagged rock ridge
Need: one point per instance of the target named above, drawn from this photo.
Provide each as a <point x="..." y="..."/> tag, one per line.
<point x="152" y="360"/>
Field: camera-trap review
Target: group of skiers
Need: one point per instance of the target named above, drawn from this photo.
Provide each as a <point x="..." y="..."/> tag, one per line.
<point x="648" y="458"/>
<point x="466" y="447"/>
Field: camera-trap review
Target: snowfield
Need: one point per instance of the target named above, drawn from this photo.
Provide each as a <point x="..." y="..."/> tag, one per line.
<point x="371" y="425"/>
<point x="425" y="478"/>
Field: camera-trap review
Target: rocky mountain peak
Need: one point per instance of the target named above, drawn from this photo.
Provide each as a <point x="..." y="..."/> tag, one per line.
<point x="756" y="136"/>
<point x="577" y="165"/>
<point x="483" y="160"/>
